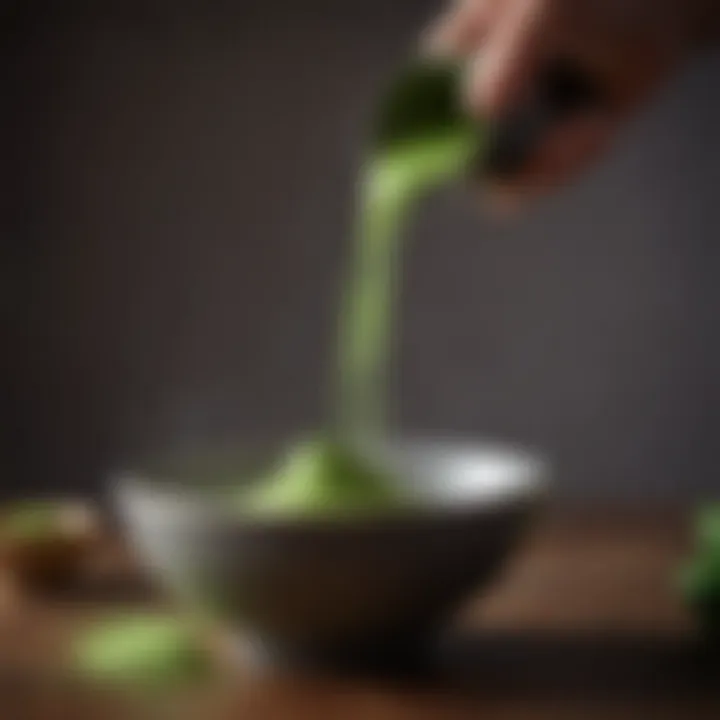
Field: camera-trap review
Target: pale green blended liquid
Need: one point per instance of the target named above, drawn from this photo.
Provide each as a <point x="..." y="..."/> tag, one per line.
<point x="393" y="184"/>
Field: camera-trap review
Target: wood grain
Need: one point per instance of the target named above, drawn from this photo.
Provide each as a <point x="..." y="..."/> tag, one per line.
<point x="584" y="624"/>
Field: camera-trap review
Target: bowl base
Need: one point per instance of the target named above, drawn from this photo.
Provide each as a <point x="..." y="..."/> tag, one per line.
<point x="406" y="657"/>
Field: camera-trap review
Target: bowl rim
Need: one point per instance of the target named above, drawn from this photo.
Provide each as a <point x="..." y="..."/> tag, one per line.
<point x="165" y="496"/>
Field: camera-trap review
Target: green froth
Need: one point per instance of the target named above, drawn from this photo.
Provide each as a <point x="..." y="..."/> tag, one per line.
<point x="319" y="477"/>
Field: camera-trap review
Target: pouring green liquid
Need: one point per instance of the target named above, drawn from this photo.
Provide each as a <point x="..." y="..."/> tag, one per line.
<point x="395" y="182"/>
<point x="422" y="141"/>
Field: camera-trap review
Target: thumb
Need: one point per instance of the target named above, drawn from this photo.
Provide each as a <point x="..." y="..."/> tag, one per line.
<point x="509" y="61"/>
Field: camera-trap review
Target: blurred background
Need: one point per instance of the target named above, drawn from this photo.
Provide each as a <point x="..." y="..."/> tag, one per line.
<point x="177" y="182"/>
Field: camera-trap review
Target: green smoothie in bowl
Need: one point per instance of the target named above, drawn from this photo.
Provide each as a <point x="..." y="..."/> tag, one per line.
<point x="421" y="141"/>
<point x="319" y="477"/>
<point x="288" y="554"/>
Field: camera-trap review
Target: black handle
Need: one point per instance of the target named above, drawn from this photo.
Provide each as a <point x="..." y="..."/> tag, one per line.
<point x="560" y="92"/>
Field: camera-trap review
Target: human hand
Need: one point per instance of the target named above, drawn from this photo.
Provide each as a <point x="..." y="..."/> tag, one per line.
<point x="628" y="48"/>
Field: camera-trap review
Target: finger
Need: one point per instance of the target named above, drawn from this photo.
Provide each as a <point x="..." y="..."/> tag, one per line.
<point x="565" y="153"/>
<point x="459" y="32"/>
<point x="633" y="87"/>
<point x="513" y="53"/>
<point x="630" y="48"/>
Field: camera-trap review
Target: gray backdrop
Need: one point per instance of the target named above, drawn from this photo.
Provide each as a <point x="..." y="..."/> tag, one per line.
<point x="177" y="184"/>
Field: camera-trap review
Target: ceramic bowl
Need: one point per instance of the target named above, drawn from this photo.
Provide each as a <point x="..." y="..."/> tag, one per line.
<point x="334" y="591"/>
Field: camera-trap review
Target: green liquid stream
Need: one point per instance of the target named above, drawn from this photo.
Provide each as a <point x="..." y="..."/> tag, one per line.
<point x="328" y="476"/>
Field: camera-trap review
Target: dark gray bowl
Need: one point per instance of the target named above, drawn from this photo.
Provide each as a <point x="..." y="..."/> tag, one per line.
<point x="335" y="591"/>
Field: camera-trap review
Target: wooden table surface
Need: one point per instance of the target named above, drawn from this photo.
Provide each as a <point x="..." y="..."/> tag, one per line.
<point x="584" y="624"/>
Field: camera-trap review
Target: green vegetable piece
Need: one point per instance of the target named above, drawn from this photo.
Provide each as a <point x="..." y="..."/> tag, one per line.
<point x="707" y="529"/>
<point x="318" y="479"/>
<point x="700" y="580"/>
<point x="142" y="651"/>
<point x="29" y="521"/>
<point x="700" y="585"/>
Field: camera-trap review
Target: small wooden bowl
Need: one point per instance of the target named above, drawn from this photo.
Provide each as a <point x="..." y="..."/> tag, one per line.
<point x="53" y="555"/>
